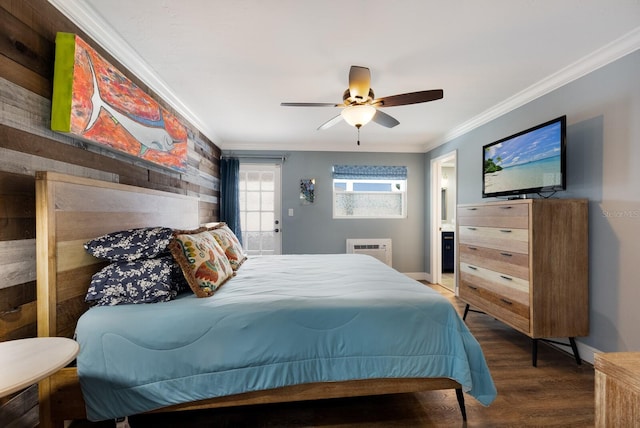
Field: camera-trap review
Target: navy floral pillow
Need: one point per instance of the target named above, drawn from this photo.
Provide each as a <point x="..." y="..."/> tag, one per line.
<point x="130" y="245"/>
<point x="139" y="281"/>
<point x="178" y="281"/>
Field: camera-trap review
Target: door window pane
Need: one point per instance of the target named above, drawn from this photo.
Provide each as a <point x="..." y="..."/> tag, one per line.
<point x="253" y="222"/>
<point x="267" y="221"/>
<point x="253" y="180"/>
<point x="267" y="201"/>
<point x="268" y="181"/>
<point x="268" y="241"/>
<point x="253" y="201"/>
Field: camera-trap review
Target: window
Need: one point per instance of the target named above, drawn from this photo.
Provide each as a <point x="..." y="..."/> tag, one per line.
<point x="366" y="191"/>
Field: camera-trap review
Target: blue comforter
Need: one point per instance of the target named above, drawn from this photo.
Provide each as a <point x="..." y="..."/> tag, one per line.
<point x="283" y="320"/>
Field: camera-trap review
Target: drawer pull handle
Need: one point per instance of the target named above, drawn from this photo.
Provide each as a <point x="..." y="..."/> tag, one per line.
<point x="473" y="248"/>
<point x="505" y="230"/>
<point x="506" y="277"/>
<point x="471" y="228"/>
<point x="503" y="300"/>
<point x="506" y="254"/>
<point x="506" y="207"/>
<point x="472" y="267"/>
<point x="471" y="209"/>
<point x="472" y="287"/>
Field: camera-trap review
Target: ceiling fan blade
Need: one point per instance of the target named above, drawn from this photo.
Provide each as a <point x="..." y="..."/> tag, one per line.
<point x="329" y="123"/>
<point x="382" y="118"/>
<point x="310" y="105"/>
<point x="359" y="82"/>
<point x="409" y="98"/>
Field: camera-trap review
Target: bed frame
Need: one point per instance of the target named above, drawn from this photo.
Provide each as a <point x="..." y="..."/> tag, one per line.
<point x="72" y="210"/>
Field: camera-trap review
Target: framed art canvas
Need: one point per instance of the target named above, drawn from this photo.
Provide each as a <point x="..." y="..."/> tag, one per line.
<point x="95" y="102"/>
<point x="307" y="191"/>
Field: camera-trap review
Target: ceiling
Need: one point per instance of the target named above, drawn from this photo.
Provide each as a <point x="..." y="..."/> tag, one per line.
<point x="227" y="65"/>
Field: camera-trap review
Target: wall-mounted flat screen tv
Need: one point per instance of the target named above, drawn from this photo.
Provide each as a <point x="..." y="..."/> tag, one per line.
<point x="531" y="161"/>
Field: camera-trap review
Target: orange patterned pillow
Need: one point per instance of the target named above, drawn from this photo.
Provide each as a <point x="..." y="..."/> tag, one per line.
<point x="202" y="261"/>
<point x="229" y="243"/>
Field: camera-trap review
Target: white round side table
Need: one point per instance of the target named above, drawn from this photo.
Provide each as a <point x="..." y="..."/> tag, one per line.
<point x="24" y="362"/>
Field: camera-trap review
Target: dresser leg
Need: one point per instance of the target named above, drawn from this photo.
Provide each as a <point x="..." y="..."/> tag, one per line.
<point x="466" y="311"/>
<point x="574" y="348"/>
<point x="572" y="343"/>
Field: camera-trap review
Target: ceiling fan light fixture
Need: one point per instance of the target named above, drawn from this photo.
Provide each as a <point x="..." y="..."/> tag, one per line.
<point x="358" y="115"/>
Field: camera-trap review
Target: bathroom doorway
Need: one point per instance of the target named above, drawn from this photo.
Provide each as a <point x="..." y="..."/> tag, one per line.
<point x="443" y="224"/>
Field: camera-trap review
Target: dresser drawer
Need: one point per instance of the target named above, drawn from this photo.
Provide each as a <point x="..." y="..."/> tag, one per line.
<point x="512" y="288"/>
<point x="511" y="313"/>
<point x="503" y="238"/>
<point x="514" y="215"/>
<point x="507" y="262"/>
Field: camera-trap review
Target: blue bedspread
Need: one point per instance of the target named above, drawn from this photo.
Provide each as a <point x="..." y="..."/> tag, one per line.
<point x="283" y="320"/>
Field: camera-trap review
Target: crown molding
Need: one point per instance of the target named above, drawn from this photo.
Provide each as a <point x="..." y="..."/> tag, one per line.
<point x="330" y="147"/>
<point x="82" y="15"/>
<point x="610" y="52"/>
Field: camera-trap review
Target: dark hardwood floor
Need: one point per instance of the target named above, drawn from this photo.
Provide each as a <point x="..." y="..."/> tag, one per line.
<point x="557" y="393"/>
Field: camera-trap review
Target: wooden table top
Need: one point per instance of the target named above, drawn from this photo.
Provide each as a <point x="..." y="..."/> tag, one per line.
<point x="24" y="362"/>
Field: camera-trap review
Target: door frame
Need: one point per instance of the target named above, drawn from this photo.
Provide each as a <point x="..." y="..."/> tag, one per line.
<point x="436" y="218"/>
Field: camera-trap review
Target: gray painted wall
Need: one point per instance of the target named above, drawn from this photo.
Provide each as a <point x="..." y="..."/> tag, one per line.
<point x="603" y="158"/>
<point x="312" y="230"/>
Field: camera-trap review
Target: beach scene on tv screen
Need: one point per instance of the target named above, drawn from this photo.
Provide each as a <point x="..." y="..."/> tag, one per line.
<point x="528" y="161"/>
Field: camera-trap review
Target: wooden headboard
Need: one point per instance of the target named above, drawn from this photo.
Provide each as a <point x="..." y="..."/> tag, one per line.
<point x="72" y="210"/>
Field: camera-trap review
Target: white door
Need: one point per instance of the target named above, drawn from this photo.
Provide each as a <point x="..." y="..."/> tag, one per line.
<point x="260" y="208"/>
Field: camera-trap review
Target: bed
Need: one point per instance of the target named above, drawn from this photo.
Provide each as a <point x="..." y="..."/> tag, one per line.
<point x="336" y="326"/>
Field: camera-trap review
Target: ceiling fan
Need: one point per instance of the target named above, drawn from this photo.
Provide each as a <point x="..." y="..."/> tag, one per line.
<point x="360" y="105"/>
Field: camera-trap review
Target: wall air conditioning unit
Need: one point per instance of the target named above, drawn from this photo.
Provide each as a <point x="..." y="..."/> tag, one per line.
<point x="378" y="248"/>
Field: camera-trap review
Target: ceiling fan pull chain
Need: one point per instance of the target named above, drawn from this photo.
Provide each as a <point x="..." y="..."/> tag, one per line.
<point x="358" y="126"/>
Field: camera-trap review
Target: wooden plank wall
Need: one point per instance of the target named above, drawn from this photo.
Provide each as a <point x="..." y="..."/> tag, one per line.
<point x="27" y="44"/>
<point x="28" y="29"/>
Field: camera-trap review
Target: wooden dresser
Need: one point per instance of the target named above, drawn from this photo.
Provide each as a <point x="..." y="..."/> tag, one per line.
<point x="617" y="389"/>
<point x="525" y="262"/>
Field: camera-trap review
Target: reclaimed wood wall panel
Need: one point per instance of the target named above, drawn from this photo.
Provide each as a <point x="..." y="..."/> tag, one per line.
<point x="17" y="311"/>
<point x="39" y="24"/>
<point x="17" y="262"/>
<point x="21" y="411"/>
<point x="17" y="250"/>
<point x="29" y="51"/>
<point x="17" y="207"/>
<point x="28" y="30"/>
<point x="25" y="46"/>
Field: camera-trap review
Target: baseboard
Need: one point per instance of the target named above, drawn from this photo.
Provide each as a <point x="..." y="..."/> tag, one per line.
<point x="418" y="276"/>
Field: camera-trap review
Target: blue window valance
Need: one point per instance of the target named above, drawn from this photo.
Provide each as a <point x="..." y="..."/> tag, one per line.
<point x="369" y="172"/>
